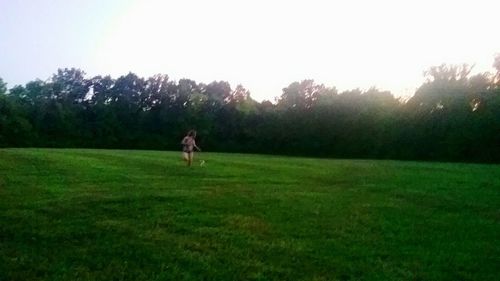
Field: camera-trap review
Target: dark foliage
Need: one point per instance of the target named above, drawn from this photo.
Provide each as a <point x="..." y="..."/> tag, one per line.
<point x="453" y="116"/>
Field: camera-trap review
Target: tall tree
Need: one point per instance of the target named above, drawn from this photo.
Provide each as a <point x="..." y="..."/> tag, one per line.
<point x="496" y="65"/>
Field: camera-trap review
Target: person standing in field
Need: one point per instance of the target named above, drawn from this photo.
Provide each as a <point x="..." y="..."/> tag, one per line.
<point x="188" y="146"/>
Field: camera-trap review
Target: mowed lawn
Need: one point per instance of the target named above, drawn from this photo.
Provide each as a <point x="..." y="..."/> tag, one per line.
<point x="142" y="215"/>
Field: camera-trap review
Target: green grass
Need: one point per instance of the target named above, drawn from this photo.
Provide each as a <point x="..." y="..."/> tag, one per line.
<point x="143" y="215"/>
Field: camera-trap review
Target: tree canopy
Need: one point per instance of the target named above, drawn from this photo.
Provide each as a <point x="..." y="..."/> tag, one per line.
<point x="453" y="116"/>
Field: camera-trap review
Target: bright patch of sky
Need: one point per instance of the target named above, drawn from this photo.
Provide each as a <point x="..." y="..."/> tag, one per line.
<point x="264" y="45"/>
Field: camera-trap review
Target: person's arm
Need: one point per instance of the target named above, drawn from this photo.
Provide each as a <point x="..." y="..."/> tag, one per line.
<point x="183" y="142"/>
<point x="194" y="144"/>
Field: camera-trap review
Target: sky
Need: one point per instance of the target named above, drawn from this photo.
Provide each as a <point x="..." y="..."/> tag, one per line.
<point x="262" y="44"/>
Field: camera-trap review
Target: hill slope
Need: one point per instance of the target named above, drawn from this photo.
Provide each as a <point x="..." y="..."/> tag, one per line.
<point x="143" y="215"/>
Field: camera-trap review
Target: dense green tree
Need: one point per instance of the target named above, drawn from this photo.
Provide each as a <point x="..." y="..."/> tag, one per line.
<point x="15" y="129"/>
<point x="3" y="87"/>
<point x="496" y="65"/>
<point x="453" y="116"/>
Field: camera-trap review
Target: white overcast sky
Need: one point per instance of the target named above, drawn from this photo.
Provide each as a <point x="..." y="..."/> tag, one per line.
<point x="264" y="45"/>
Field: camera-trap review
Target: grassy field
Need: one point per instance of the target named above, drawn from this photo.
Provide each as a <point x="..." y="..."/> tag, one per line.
<point x="143" y="215"/>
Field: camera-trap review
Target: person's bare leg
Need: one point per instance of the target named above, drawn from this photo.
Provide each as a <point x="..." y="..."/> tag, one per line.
<point x="191" y="156"/>
<point x="185" y="156"/>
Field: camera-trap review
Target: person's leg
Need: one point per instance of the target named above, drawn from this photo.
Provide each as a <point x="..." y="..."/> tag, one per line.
<point x="185" y="156"/>
<point x="191" y="156"/>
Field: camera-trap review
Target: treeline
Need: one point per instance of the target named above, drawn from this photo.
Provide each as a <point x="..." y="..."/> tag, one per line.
<point x="453" y="116"/>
